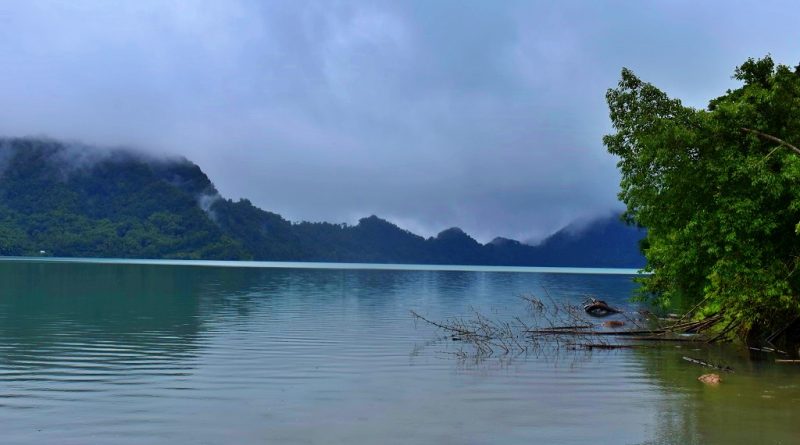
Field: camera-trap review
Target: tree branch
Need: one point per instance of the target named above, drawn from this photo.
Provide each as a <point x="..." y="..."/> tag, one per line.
<point x="772" y="138"/>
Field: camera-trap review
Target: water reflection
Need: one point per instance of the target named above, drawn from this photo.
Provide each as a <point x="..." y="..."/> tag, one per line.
<point x="758" y="403"/>
<point x="59" y="307"/>
<point x="115" y="353"/>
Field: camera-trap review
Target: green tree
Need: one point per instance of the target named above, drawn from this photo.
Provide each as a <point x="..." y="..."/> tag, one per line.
<point x="719" y="193"/>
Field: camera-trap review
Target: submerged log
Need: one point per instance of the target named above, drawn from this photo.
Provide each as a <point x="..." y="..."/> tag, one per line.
<point x="613" y="324"/>
<point x="555" y="331"/>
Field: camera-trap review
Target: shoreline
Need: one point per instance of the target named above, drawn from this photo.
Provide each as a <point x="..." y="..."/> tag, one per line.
<point x="326" y="265"/>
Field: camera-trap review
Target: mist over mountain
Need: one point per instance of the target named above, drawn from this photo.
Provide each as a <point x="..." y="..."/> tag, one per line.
<point x="72" y="200"/>
<point x="603" y="241"/>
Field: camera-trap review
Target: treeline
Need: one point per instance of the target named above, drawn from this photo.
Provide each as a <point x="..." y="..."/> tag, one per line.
<point x="719" y="192"/>
<point x="77" y="201"/>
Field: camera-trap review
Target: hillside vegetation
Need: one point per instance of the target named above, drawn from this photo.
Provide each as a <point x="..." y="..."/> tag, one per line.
<point x="76" y="201"/>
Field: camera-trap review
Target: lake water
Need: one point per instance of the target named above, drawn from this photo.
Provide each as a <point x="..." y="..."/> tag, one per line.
<point x="119" y="352"/>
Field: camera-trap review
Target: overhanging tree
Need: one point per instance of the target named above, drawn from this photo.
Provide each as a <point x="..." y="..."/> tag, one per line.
<point x="718" y="190"/>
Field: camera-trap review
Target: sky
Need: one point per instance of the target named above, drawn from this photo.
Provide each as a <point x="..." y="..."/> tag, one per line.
<point x="487" y="115"/>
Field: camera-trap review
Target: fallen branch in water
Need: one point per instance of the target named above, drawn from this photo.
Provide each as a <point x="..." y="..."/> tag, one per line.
<point x="678" y="328"/>
<point x="769" y="350"/>
<point x="562" y="331"/>
<point x="723" y="368"/>
<point x="439" y="325"/>
<point x="554" y="325"/>
<point x="671" y="338"/>
<point x="601" y="346"/>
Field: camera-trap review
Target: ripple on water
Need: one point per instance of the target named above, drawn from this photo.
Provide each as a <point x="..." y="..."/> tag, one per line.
<point x="126" y="353"/>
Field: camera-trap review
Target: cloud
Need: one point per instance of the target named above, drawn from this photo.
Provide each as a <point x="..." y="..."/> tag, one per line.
<point x="484" y="115"/>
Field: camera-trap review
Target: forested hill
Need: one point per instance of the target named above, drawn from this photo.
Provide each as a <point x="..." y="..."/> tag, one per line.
<point x="76" y="201"/>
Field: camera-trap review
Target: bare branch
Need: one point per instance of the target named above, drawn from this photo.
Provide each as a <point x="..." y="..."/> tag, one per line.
<point x="772" y="138"/>
<point x="559" y="325"/>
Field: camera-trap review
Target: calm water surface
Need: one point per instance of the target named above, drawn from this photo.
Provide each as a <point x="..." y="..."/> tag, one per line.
<point x="115" y="352"/>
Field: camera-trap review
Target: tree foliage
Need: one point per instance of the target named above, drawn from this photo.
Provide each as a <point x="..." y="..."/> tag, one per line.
<point x="720" y="201"/>
<point x="117" y="205"/>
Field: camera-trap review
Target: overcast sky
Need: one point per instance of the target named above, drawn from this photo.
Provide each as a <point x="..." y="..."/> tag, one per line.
<point x="484" y="115"/>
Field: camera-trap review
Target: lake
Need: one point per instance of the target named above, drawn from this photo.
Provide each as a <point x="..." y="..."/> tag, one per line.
<point x="172" y="352"/>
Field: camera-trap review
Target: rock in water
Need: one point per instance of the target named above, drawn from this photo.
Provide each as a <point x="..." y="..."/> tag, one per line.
<point x="598" y="308"/>
<point x="710" y="379"/>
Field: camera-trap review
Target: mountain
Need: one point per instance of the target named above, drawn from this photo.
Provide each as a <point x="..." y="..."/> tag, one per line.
<point x="603" y="242"/>
<point x="72" y="200"/>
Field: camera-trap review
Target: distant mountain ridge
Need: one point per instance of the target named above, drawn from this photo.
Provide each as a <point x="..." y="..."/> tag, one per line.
<point x="78" y="201"/>
<point x="600" y="242"/>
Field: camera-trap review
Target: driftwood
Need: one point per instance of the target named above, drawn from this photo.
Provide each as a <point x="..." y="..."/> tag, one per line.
<point x="768" y="350"/>
<point x="677" y="328"/>
<point x="723" y="368"/>
<point x="591" y="346"/>
<point x="559" y="331"/>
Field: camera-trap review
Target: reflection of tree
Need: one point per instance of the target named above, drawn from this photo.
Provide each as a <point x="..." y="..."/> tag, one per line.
<point x="140" y="311"/>
<point x="756" y="404"/>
